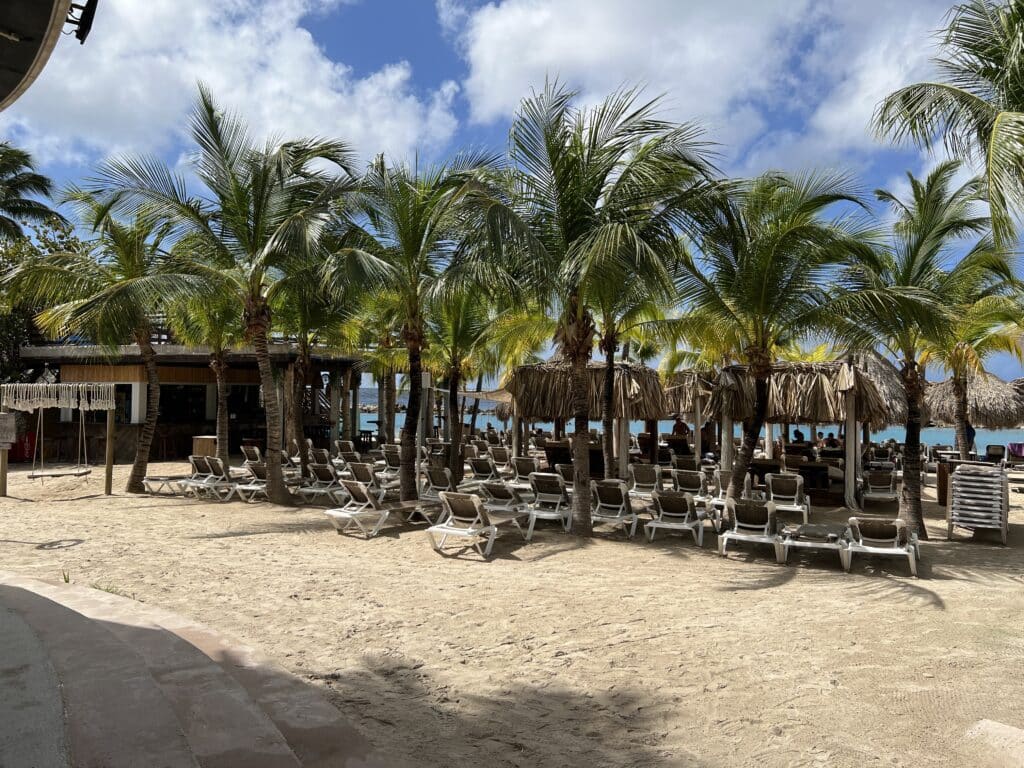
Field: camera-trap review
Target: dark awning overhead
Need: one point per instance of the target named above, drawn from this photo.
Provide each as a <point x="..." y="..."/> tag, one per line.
<point x="29" y="30"/>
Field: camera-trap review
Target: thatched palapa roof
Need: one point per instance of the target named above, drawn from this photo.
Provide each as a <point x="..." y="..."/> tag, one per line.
<point x="544" y="391"/>
<point x="682" y="389"/>
<point x="991" y="402"/>
<point x="814" y="393"/>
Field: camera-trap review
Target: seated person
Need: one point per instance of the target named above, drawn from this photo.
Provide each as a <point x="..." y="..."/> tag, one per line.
<point x="820" y="440"/>
<point x="798" y="436"/>
<point x="680" y="427"/>
<point x="831" y="441"/>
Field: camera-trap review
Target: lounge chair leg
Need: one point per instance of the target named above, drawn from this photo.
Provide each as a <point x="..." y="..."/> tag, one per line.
<point x="722" y="542"/>
<point x="433" y="542"/>
<point x="780" y="555"/>
<point x="529" y="528"/>
<point x="650" y="533"/>
<point x="490" y="542"/>
<point x="913" y="562"/>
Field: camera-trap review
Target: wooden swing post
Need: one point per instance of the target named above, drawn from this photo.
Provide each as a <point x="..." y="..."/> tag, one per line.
<point x="108" y="480"/>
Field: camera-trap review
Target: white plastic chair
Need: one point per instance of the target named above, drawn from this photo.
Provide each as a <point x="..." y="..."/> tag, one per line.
<point x="465" y="517"/>
<point x="610" y="500"/>
<point x="675" y="511"/>
<point x="363" y="508"/>
<point x="754" y="523"/>
<point x="550" y="501"/>
<point x="880" y="536"/>
<point x="787" y="491"/>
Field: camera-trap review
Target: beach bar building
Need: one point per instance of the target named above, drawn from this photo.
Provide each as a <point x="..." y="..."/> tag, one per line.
<point x="188" y="395"/>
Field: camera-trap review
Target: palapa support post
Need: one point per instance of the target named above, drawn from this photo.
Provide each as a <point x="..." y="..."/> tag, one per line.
<point x="769" y="442"/>
<point x="622" y="430"/>
<point x="726" y="441"/>
<point x="108" y="477"/>
<point x="334" y="393"/>
<point x="3" y="471"/>
<point x="850" y="468"/>
<point x="698" y="425"/>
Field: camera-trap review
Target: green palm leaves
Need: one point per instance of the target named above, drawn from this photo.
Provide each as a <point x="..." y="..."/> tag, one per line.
<point x="976" y="107"/>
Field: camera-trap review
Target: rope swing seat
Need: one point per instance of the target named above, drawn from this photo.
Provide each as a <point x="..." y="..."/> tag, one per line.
<point x="37" y="397"/>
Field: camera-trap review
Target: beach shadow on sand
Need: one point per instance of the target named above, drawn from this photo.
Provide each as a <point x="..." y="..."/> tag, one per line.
<point x="525" y="725"/>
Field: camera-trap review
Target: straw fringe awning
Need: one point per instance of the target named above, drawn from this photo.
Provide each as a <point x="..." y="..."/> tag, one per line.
<point x="543" y="391"/>
<point x="82" y="396"/>
<point x="682" y="389"/>
<point x="811" y="393"/>
<point x="991" y="403"/>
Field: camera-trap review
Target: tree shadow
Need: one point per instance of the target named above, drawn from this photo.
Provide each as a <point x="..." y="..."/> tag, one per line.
<point x="264" y="529"/>
<point x="525" y="725"/>
<point x="47" y="545"/>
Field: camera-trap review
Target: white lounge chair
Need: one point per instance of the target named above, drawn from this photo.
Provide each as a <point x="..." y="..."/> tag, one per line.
<point x="323" y="485"/>
<point x="695" y="483"/>
<point x="880" y="486"/>
<point x="644" y="479"/>
<point x="465" y="517"/>
<point x="220" y="484"/>
<point x="364" y="510"/>
<point x="550" y="501"/>
<point x="787" y="491"/>
<point x="675" y="511"/>
<point x="256" y="486"/>
<point x="753" y="522"/>
<point x="610" y="504"/>
<point x="880" y="536"/>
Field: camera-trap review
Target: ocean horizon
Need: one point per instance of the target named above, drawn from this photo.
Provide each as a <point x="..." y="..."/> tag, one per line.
<point x="929" y="435"/>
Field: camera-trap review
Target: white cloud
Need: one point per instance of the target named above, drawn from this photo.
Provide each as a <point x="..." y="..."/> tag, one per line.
<point x="810" y="73"/>
<point x="129" y="88"/>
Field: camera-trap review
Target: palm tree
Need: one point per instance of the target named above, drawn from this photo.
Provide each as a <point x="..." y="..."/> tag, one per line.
<point x="598" y="193"/>
<point x="898" y="295"/>
<point x="621" y="307"/>
<point x="109" y="292"/>
<point x="983" y="327"/>
<point x="412" y="219"/>
<point x="458" y="331"/>
<point x="766" y="253"/>
<point x="18" y="180"/>
<point x="977" y="104"/>
<point x="261" y="205"/>
<point x="214" y="322"/>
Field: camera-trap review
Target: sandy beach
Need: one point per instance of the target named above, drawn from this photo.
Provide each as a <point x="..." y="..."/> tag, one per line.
<point x="569" y="653"/>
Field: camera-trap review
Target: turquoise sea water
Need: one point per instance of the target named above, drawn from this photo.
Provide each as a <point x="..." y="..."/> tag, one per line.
<point x="929" y="435"/>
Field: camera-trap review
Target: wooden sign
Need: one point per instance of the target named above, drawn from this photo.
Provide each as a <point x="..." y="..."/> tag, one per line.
<point x="8" y="429"/>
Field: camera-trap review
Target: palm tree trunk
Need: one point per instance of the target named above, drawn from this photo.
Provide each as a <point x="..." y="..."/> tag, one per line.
<point x="751" y="428"/>
<point x="607" y="409"/>
<point x="910" y="496"/>
<point x="960" y="416"/>
<point x="390" y="400"/>
<point x="382" y="405"/>
<point x="138" y="472"/>
<point x="455" y="424"/>
<point x="298" y="413"/>
<point x="475" y="408"/>
<point x="220" y="367"/>
<point x="407" y="473"/>
<point x="257" y="328"/>
<point x="581" y="522"/>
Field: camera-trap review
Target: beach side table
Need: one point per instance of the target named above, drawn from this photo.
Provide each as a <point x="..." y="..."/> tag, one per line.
<point x="820" y="536"/>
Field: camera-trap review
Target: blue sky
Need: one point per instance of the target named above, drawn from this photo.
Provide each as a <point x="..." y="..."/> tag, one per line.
<point x="778" y="83"/>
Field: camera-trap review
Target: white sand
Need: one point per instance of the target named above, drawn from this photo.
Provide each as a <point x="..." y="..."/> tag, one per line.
<point x="571" y="653"/>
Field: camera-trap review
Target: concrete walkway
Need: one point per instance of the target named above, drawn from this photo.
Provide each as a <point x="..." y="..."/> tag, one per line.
<point x="94" y="679"/>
